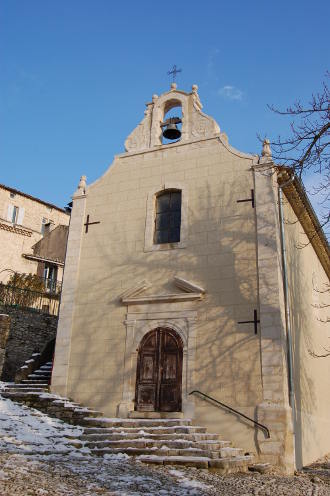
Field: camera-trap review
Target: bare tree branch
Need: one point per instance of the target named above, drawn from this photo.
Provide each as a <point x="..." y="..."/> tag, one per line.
<point x="307" y="148"/>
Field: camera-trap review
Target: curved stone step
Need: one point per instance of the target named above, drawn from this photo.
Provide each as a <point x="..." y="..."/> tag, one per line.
<point x="164" y="451"/>
<point x="104" y="436"/>
<point x="188" y="429"/>
<point x="150" y="443"/>
<point x="224" y="466"/>
<point x="141" y="423"/>
<point x="188" y="461"/>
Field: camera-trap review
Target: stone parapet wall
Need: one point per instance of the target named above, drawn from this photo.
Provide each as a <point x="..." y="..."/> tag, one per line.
<point x="29" y="333"/>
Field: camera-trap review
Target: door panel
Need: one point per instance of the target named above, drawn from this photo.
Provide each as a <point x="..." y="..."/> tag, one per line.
<point x="169" y="367"/>
<point x="159" y="372"/>
<point x="147" y="375"/>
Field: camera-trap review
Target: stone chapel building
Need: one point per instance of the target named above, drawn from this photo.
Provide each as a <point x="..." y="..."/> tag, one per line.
<point x="184" y="273"/>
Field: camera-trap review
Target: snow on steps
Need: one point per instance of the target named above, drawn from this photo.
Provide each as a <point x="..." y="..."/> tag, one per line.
<point x="172" y="441"/>
<point x="52" y="405"/>
<point x="163" y="441"/>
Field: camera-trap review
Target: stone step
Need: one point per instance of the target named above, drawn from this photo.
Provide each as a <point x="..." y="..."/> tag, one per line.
<point x="36" y="380"/>
<point x="141" y="423"/>
<point x="163" y="451"/>
<point x="188" y="461"/>
<point x="39" y="387"/>
<point x="224" y="466"/>
<point x="30" y="384"/>
<point x="229" y="452"/>
<point x="20" y="395"/>
<point x="40" y="371"/>
<point x="46" y="367"/>
<point x="231" y="465"/>
<point x="109" y="436"/>
<point x="155" y="415"/>
<point x="179" y="429"/>
<point x="40" y="375"/>
<point x="28" y="390"/>
<point x="42" y="378"/>
<point x="150" y="443"/>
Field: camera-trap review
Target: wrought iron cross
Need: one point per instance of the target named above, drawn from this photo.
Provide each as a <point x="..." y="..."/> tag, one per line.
<point x="173" y="72"/>
<point x="248" y="199"/>
<point x="87" y="223"/>
<point x="255" y="321"/>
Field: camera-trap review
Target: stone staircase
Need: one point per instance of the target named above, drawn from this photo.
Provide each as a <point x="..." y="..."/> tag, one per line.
<point x="37" y="381"/>
<point x="161" y="441"/>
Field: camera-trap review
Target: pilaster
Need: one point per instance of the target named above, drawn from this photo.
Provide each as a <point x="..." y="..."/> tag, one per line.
<point x="69" y="286"/>
<point x="274" y="411"/>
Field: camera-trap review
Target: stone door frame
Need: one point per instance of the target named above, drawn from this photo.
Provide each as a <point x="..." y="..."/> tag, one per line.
<point x="137" y="326"/>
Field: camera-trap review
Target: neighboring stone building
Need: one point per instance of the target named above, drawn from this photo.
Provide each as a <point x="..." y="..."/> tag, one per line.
<point x="175" y="282"/>
<point x="24" y="221"/>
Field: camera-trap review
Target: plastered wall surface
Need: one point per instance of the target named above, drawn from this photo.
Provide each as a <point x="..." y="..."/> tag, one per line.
<point x="220" y="256"/>
<point x="309" y="306"/>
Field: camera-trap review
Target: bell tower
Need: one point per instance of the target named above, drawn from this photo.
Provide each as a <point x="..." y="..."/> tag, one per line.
<point x="195" y="125"/>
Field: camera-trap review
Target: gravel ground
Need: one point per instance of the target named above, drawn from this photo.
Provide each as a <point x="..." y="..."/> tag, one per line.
<point x="22" y="475"/>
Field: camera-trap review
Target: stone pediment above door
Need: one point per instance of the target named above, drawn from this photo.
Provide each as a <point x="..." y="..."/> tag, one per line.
<point x="137" y="294"/>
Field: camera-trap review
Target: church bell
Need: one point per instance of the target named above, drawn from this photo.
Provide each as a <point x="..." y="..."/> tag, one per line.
<point x="171" y="131"/>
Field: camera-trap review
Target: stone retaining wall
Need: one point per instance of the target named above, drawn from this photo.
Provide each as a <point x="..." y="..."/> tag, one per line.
<point x="29" y="333"/>
<point x="4" y="333"/>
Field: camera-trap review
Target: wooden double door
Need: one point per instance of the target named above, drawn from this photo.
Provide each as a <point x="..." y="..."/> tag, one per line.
<point x="159" y="372"/>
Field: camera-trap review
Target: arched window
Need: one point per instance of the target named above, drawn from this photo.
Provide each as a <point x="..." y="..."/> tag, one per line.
<point x="168" y="217"/>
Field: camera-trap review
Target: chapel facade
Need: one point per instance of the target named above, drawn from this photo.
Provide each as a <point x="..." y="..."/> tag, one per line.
<point x="183" y="278"/>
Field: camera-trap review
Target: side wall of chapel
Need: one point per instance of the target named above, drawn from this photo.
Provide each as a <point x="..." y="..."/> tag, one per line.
<point x="309" y="307"/>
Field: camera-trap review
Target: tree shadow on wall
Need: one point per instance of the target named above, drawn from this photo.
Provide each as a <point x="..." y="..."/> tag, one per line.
<point x="220" y="256"/>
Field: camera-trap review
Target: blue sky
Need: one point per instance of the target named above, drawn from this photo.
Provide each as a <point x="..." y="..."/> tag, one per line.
<point x="75" y="75"/>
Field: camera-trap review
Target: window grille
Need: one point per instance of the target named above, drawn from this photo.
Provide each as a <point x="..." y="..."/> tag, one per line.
<point x="168" y="217"/>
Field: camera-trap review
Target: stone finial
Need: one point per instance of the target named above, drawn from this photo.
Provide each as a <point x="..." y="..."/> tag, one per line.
<point x="154" y="97"/>
<point x="194" y="88"/>
<point x="81" y="190"/>
<point x="82" y="183"/>
<point x="173" y="86"/>
<point x="266" y="151"/>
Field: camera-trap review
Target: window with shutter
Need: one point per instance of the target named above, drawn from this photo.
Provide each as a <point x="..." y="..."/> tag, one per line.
<point x="10" y="213"/>
<point x="20" y="216"/>
<point x="13" y="213"/>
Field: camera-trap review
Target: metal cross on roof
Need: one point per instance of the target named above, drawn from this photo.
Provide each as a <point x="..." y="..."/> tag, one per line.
<point x="173" y="72"/>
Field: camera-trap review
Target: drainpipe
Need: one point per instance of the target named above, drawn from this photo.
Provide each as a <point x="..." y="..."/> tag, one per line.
<point x="286" y="298"/>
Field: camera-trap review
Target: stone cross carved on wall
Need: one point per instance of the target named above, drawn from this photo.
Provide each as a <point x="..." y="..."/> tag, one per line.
<point x="195" y="124"/>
